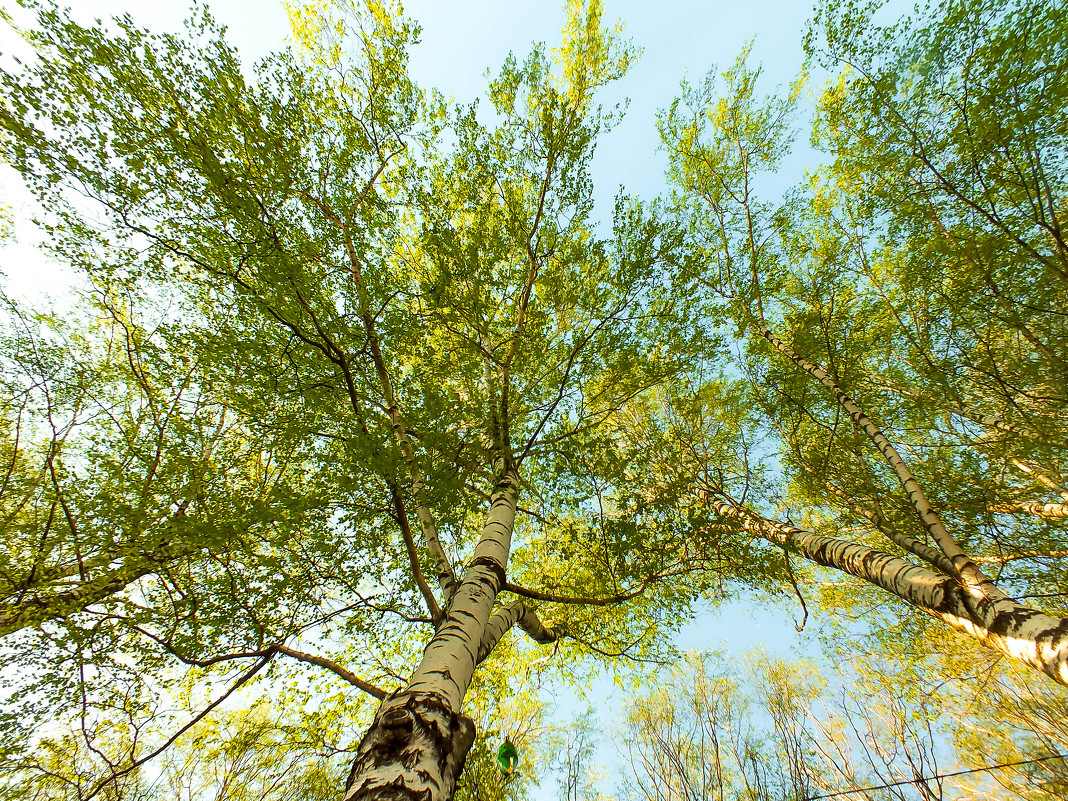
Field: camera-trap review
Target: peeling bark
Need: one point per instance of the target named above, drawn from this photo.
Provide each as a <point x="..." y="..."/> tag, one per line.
<point x="414" y="751"/>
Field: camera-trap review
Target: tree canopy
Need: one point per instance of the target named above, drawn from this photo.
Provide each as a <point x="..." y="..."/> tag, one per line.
<point x="359" y="383"/>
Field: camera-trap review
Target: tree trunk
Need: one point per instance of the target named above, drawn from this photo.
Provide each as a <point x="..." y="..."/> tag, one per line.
<point x="414" y="750"/>
<point x="417" y="744"/>
<point x="1002" y="624"/>
<point x="1050" y="511"/>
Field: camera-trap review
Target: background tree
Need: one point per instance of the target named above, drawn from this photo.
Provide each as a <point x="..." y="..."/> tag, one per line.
<point x="766" y="728"/>
<point x="868" y="294"/>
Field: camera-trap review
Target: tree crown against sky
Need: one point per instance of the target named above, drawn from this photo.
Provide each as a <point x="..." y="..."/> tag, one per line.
<point x="357" y="379"/>
<point x="322" y="349"/>
<point x="882" y="292"/>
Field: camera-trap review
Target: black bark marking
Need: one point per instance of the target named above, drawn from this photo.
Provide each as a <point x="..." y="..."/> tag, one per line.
<point x="493" y="566"/>
<point x="421" y="766"/>
<point x="1008" y="622"/>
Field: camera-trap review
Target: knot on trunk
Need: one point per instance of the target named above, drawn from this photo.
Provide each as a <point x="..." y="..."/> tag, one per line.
<point x="398" y="719"/>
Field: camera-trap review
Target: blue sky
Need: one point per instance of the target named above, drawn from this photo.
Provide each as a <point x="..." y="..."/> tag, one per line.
<point x="462" y="39"/>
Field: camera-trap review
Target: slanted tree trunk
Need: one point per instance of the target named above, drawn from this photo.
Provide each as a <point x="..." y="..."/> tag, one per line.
<point x="38" y="603"/>
<point x="41" y="607"/>
<point x="417" y="744"/>
<point x="1006" y="626"/>
<point x="1049" y="511"/>
<point x="962" y="595"/>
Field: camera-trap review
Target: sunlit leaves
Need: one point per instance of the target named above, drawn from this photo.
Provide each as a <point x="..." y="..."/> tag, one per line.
<point x="331" y="306"/>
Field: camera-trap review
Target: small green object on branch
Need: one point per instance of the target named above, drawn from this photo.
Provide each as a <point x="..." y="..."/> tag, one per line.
<point x="507" y="757"/>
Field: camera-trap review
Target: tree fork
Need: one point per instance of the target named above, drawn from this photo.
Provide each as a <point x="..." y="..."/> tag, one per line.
<point x="963" y="566"/>
<point x="502" y="621"/>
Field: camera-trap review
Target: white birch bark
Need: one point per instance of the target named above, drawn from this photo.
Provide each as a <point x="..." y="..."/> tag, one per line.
<point x="417" y="744"/>
<point x="1037" y="473"/>
<point x="963" y="566"/>
<point x="445" y="576"/>
<point x="506" y="617"/>
<point x="981" y="595"/>
<point x="988" y="421"/>
<point x="932" y="556"/>
<point x="1049" y="511"/>
<point x="1001" y="624"/>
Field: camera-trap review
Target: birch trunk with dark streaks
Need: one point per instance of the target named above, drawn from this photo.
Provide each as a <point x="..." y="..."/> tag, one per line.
<point x="417" y="744"/>
<point x="1002" y="624"/>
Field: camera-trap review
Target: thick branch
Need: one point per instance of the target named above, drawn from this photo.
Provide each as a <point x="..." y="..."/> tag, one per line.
<point x="449" y="660"/>
<point x="35" y="611"/>
<point x="932" y="556"/>
<point x="1050" y="511"/>
<point x="506" y="617"/>
<point x="330" y="665"/>
<point x="413" y="554"/>
<point x="572" y="599"/>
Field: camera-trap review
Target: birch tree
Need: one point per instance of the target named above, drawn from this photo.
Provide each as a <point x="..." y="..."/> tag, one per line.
<point x="721" y="728"/>
<point x="357" y="387"/>
<point x="901" y="315"/>
<point x="400" y="310"/>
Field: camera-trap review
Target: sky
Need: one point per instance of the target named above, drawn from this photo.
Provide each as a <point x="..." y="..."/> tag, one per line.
<point x="461" y="40"/>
